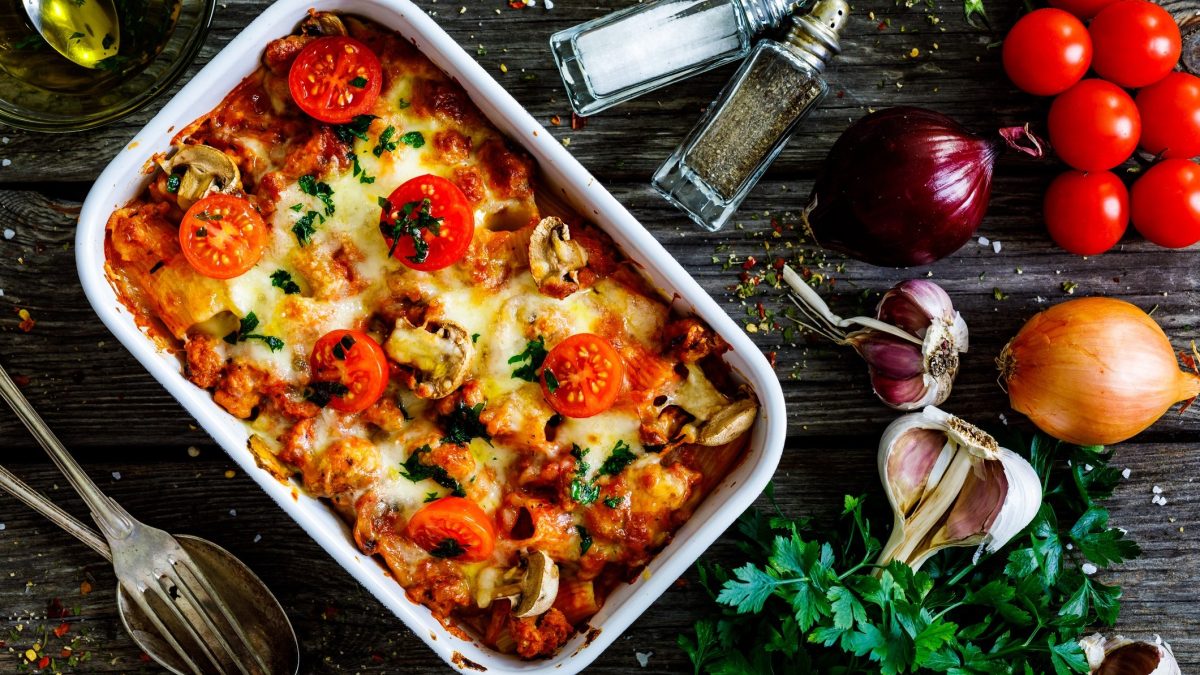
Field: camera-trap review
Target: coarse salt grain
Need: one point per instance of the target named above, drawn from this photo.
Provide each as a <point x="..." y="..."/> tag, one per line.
<point x="257" y="538"/>
<point x="643" y="658"/>
<point x="9" y="233"/>
<point x="193" y="451"/>
<point x="1125" y="474"/>
<point x="116" y="475"/>
<point x="1087" y="467"/>
<point x="4" y="140"/>
<point x="2" y="526"/>
<point x="996" y="247"/>
<point x="1157" y="490"/>
<point x="5" y="162"/>
<point x="984" y="241"/>
<point x="1088" y="568"/>
<point x="233" y="512"/>
<point x="549" y="4"/>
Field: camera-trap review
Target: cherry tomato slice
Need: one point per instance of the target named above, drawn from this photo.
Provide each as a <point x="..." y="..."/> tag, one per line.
<point x="454" y="528"/>
<point x="582" y="376"/>
<point x="1087" y="213"/>
<point x="1094" y="125"/>
<point x="354" y="364"/>
<point x="222" y="236"/>
<point x="335" y="79"/>
<point x="1136" y="43"/>
<point x="1047" y="51"/>
<point x="1170" y="110"/>
<point x="1166" y="203"/>
<point x="434" y="212"/>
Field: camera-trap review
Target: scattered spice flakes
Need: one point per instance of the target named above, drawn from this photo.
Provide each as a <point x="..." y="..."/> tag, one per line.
<point x="999" y="294"/>
<point x="85" y="587"/>
<point x="577" y="122"/>
<point x="1069" y="287"/>
<point x="230" y="473"/>
<point x="914" y="53"/>
<point x="503" y="68"/>
<point x="27" y="322"/>
<point x="556" y="120"/>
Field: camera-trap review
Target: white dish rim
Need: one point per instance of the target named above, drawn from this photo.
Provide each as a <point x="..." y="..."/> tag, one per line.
<point x="124" y="177"/>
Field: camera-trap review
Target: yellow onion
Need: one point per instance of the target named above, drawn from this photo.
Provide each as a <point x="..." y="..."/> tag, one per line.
<point x="1093" y="371"/>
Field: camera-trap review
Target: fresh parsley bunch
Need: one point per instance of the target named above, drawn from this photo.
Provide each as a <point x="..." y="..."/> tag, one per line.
<point x="801" y="605"/>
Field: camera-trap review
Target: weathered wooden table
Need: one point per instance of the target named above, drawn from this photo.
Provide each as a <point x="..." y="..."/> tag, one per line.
<point x="147" y="453"/>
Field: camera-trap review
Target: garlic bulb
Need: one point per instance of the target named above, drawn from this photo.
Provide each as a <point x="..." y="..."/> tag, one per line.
<point x="911" y="346"/>
<point x="951" y="484"/>
<point x="1122" y="656"/>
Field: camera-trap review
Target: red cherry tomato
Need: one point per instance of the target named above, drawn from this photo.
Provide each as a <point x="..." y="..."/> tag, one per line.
<point x="1170" y="111"/>
<point x="334" y="79"/>
<point x="1094" y="125"/>
<point x="1136" y="43"/>
<point x="222" y="236"/>
<point x="1087" y="213"/>
<point x="353" y="366"/>
<point x="582" y="376"/>
<point x="455" y="528"/>
<point x="433" y="211"/>
<point x="1084" y="9"/>
<point x="1166" y="203"/>
<point x="1046" y="52"/>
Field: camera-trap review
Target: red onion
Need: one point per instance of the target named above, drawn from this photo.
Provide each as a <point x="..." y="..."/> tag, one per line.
<point x="905" y="186"/>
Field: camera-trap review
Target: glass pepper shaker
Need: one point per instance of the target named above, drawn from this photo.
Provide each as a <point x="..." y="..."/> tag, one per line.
<point x="748" y="125"/>
<point x="628" y="53"/>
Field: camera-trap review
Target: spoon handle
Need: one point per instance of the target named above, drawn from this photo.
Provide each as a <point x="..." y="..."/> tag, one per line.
<point x="40" y="503"/>
<point x="114" y="522"/>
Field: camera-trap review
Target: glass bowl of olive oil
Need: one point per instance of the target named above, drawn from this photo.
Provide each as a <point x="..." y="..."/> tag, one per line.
<point x="131" y="58"/>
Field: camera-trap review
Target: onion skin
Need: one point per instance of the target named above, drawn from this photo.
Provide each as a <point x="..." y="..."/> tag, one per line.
<point x="902" y="187"/>
<point x="1093" y="371"/>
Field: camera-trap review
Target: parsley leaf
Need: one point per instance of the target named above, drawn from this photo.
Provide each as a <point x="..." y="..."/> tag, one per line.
<point x="462" y="425"/>
<point x="409" y="221"/>
<point x="305" y="227"/>
<point x="551" y="380"/>
<point x="532" y="358"/>
<point x="403" y="103"/>
<point x="359" y="82"/>
<point x="385" y="142"/>
<point x="315" y="188"/>
<point x="415" y="470"/>
<point x="585" y="539"/>
<point x="173" y="182"/>
<point x="245" y="331"/>
<point x="617" y="460"/>
<point x="414" y="139"/>
<point x="447" y="548"/>
<point x="282" y="280"/>
<point x="355" y="128"/>
<point x="613" y="502"/>
<point x="581" y="489"/>
<point x="321" y="392"/>
<point x="363" y="176"/>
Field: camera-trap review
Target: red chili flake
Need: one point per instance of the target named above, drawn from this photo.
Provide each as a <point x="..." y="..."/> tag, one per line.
<point x="62" y="629"/>
<point x="377" y="657"/>
<point x="841" y="93"/>
<point x="65" y="653"/>
<point x="85" y="587"/>
<point x="556" y="120"/>
<point x="882" y="25"/>
<point x="779" y="263"/>
<point x="516" y="4"/>
<point x="762" y="312"/>
<point x="27" y="322"/>
<point x="144" y="657"/>
<point x="744" y="277"/>
<point x="329" y="612"/>
<point x="578" y="122"/>
<point x="55" y="609"/>
<point x="681" y="583"/>
<point x="21" y="381"/>
<point x="751" y="261"/>
<point x="771" y="357"/>
<point x="43" y="662"/>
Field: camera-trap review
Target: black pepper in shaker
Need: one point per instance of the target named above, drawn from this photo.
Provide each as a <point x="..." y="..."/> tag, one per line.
<point x="722" y="158"/>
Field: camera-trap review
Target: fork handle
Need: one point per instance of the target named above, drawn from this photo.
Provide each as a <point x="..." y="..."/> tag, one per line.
<point x="113" y="520"/>
<point x="40" y="503"/>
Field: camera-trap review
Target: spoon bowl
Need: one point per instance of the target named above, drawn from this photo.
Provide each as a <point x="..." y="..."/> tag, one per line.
<point x="85" y="31"/>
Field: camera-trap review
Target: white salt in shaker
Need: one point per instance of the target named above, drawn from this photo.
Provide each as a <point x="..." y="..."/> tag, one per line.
<point x="628" y="53"/>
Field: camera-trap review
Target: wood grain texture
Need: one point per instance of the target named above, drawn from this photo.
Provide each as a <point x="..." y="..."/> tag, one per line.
<point x="119" y="420"/>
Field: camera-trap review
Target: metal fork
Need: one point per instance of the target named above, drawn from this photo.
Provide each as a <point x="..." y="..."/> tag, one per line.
<point x="155" y="571"/>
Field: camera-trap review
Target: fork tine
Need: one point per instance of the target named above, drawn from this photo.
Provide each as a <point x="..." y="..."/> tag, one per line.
<point x="165" y="634"/>
<point x="211" y="597"/>
<point x="204" y="612"/>
<point x="188" y="623"/>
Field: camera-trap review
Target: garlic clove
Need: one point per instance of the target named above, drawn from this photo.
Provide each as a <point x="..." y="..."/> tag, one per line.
<point x="888" y="355"/>
<point x="915" y="304"/>
<point x="916" y="462"/>
<point x="1122" y="656"/>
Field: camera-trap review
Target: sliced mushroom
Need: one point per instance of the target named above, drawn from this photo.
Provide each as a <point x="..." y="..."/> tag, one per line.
<point x="438" y="353"/>
<point x="205" y="169"/>
<point x="322" y="24"/>
<point x="717" y="419"/>
<point x="554" y="259"/>
<point x="532" y="586"/>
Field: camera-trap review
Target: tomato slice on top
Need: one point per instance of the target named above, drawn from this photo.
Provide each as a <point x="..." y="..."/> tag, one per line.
<point x="454" y="528"/>
<point x="582" y="376"/>
<point x="222" y="236"/>
<point x="349" y="368"/>
<point x="427" y="223"/>
<point x="335" y="79"/>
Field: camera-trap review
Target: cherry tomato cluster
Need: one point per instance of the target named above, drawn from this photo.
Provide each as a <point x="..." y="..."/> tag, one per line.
<point x="1095" y="124"/>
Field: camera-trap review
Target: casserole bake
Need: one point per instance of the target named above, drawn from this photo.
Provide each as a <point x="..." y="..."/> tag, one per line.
<point x="508" y="217"/>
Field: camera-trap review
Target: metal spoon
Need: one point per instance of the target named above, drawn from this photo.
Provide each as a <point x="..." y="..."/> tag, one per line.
<point x="164" y="628"/>
<point x="84" y="31"/>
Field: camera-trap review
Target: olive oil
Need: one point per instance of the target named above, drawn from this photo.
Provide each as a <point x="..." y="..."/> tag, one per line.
<point x="118" y="47"/>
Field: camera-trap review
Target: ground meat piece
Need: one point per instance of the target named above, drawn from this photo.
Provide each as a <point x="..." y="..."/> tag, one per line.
<point x="297" y="443"/>
<point x="279" y="54"/>
<point x="331" y="275"/>
<point x="471" y="183"/>
<point x="142" y="233"/>
<point x="691" y="340"/>
<point x="288" y="400"/>
<point x="541" y="635"/>
<point x="452" y="147"/>
<point x="385" y="414"/>
<point x="444" y="100"/>
<point x="347" y="465"/>
<point x="455" y="459"/>
<point x="204" y="359"/>
<point x="508" y="173"/>
<point x="440" y="586"/>
<point x="321" y="153"/>
<point x="238" y="391"/>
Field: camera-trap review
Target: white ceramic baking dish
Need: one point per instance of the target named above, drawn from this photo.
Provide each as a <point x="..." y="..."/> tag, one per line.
<point x="124" y="178"/>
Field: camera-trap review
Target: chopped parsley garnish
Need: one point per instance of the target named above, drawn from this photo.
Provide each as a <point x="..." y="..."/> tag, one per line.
<point x="206" y="216"/>
<point x="532" y="358"/>
<point x="77" y="36"/>
<point x="403" y="410"/>
<point x="447" y="548"/>
<point x="201" y="232"/>
<point x="173" y="182"/>
<point x="157" y="266"/>
<point x="359" y="82"/>
<point x="462" y="425"/>
<point x="415" y="470"/>
<point x="304" y="228"/>
<point x="396" y="225"/>
<point x="343" y="347"/>
<point x="245" y="332"/>
<point x="321" y="392"/>
<point x="403" y="103"/>
<point x="413" y="139"/>
<point x="585" y="539"/>
<point x="32" y="41"/>
<point x="355" y="128"/>
<point x="474" y="338"/>
<point x="315" y="188"/>
<point x="107" y="41"/>
<point x="613" y="502"/>
<point x="551" y="380"/>
<point x="297" y="207"/>
<point x="282" y="280"/>
<point x="385" y="142"/>
<point x="617" y="460"/>
<point x="582" y="490"/>
<point x="432" y="497"/>
<point x="363" y="177"/>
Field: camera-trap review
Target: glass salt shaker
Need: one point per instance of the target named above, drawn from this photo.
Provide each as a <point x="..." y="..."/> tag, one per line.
<point x="752" y="119"/>
<point x="625" y="54"/>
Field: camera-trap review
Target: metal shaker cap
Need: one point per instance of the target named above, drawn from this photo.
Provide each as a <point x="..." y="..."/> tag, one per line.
<point x="817" y="31"/>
